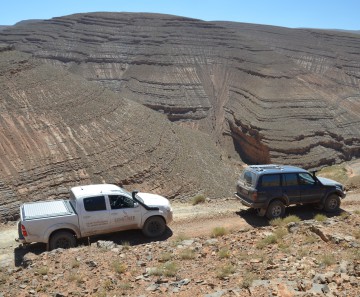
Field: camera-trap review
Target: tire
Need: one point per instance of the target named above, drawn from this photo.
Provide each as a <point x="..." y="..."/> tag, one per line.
<point x="154" y="227"/>
<point x="332" y="203"/>
<point x="62" y="239"/>
<point x="276" y="209"/>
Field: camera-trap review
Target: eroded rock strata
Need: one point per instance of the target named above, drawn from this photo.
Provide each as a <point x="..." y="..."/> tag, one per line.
<point x="268" y="94"/>
<point x="58" y="130"/>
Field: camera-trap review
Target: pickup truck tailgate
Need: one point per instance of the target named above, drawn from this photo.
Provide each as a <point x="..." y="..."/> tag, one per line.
<point x="46" y="209"/>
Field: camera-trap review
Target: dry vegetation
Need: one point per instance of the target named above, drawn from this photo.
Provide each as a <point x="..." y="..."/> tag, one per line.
<point x="249" y="261"/>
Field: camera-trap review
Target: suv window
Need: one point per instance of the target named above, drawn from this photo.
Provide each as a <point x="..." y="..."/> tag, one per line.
<point x="270" y="180"/>
<point x="119" y="201"/>
<point x="94" y="203"/>
<point x="248" y="177"/>
<point x="306" y="179"/>
<point x="290" y="179"/>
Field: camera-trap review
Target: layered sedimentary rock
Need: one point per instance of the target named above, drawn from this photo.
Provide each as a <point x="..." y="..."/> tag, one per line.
<point x="58" y="130"/>
<point x="266" y="94"/>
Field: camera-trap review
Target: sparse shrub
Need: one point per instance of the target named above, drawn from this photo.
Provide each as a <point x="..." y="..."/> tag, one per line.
<point x="357" y="212"/>
<point x="291" y="219"/>
<point x="280" y="233"/>
<point x="167" y="269"/>
<point x="271" y="239"/>
<point x="344" y="215"/>
<point x="119" y="267"/>
<point x="75" y="264"/>
<point x="44" y="270"/>
<point x="224" y="253"/>
<point x="327" y="259"/>
<point x="181" y="237"/>
<point x="164" y="257"/>
<point x="243" y="256"/>
<point x="225" y="271"/>
<point x="320" y="217"/>
<point x="356" y="233"/>
<point x="248" y="279"/>
<point x="356" y="254"/>
<point x="284" y="247"/>
<point x="218" y="231"/>
<point x="276" y="222"/>
<point x="126" y="245"/>
<point x="108" y="285"/>
<point x="187" y="254"/>
<point x="282" y="222"/>
<point x="100" y="293"/>
<point x="198" y="199"/>
<point x="302" y="252"/>
<point x="170" y="269"/>
<point x="75" y="277"/>
<point x="125" y="286"/>
<point x="310" y="239"/>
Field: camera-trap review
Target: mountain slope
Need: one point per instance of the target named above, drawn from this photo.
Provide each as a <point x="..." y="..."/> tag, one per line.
<point x="266" y="94"/>
<point x="58" y="130"/>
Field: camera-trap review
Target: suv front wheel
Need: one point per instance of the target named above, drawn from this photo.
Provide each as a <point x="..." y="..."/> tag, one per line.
<point x="276" y="209"/>
<point x="332" y="203"/>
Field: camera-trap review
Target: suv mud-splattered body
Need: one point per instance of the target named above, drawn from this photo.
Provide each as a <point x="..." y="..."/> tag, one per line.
<point x="269" y="188"/>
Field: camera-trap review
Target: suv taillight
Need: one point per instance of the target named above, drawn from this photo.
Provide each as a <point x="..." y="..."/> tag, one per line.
<point x="23" y="230"/>
<point x="254" y="196"/>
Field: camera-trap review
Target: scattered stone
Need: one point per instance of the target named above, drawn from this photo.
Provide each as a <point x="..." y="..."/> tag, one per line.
<point x="91" y="263"/>
<point x="152" y="287"/>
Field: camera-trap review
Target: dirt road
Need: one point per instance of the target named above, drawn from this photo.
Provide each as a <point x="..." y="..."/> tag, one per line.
<point x="189" y="220"/>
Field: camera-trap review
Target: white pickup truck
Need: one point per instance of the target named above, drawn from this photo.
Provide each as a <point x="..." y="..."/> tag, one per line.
<point x="91" y="210"/>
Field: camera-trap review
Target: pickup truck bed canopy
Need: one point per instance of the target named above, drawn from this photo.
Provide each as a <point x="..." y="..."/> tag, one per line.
<point x="46" y="209"/>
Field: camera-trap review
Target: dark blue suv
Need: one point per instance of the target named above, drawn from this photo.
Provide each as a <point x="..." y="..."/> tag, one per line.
<point x="269" y="188"/>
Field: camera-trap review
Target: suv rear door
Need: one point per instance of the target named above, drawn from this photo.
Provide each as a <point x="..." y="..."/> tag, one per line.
<point x="269" y="187"/>
<point x="291" y="187"/>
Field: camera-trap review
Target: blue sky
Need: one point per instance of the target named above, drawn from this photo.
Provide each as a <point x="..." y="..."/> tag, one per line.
<point x="329" y="14"/>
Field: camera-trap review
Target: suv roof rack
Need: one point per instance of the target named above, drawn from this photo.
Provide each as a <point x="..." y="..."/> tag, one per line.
<point x="266" y="166"/>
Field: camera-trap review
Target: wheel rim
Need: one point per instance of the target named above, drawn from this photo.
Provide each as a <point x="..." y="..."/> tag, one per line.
<point x="154" y="227"/>
<point x="276" y="210"/>
<point x="332" y="203"/>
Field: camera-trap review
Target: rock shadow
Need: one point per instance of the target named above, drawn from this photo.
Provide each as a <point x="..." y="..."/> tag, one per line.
<point x="304" y="212"/>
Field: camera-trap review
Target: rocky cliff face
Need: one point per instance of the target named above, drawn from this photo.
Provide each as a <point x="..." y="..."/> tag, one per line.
<point x="266" y="94"/>
<point x="58" y="130"/>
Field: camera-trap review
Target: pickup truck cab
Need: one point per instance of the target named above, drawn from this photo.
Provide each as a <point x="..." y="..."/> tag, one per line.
<point x="92" y="210"/>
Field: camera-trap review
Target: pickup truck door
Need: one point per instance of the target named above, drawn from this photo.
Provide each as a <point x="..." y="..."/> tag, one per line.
<point x="94" y="216"/>
<point x="124" y="213"/>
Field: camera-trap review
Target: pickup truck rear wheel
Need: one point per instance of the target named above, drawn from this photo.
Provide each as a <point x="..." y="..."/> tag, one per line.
<point x="154" y="226"/>
<point x="276" y="209"/>
<point x="332" y="203"/>
<point x="62" y="239"/>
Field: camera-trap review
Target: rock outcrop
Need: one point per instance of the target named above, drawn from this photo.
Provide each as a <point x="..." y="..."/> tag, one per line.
<point x="58" y="130"/>
<point x="266" y="94"/>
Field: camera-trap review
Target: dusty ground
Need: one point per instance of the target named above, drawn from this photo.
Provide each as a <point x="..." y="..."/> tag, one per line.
<point x="189" y="221"/>
<point x="310" y="258"/>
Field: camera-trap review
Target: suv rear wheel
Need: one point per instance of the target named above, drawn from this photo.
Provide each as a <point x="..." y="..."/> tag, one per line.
<point x="332" y="203"/>
<point x="276" y="209"/>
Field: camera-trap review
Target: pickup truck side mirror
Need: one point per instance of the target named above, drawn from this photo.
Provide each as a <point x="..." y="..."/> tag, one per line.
<point x="136" y="204"/>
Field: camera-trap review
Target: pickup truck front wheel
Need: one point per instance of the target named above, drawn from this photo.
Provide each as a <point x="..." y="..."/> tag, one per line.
<point x="62" y="239"/>
<point x="154" y="226"/>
